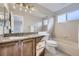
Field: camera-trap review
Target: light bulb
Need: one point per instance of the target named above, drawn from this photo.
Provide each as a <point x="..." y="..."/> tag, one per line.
<point x="21" y="4"/>
<point x="32" y="8"/>
<point x="26" y="7"/>
<point x="25" y="10"/>
<point x="20" y="9"/>
<point x="30" y="11"/>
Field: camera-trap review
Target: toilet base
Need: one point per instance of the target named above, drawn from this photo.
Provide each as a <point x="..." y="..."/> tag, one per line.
<point x="50" y="51"/>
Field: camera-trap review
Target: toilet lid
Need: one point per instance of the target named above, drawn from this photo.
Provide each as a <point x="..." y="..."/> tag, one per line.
<point x="51" y="42"/>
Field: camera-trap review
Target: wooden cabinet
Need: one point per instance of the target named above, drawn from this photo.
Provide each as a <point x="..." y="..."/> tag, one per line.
<point x="28" y="47"/>
<point x="9" y="49"/>
<point x="24" y="47"/>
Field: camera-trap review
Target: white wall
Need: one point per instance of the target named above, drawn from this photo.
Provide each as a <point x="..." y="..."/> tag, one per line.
<point x="67" y="33"/>
<point x="30" y="20"/>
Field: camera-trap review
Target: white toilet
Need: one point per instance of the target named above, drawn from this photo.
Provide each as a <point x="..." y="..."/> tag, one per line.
<point x="50" y="47"/>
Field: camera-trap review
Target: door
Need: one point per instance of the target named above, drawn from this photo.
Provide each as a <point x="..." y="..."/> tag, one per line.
<point x="28" y="47"/>
<point x="9" y="49"/>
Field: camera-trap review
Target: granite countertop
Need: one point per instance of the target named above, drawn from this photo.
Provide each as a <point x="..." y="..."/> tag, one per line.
<point x="17" y="38"/>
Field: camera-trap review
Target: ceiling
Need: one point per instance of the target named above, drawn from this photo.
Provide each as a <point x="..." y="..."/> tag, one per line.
<point x="38" y="12"/>
<point x="42" y="9"/>
<point x="54" y="6"/>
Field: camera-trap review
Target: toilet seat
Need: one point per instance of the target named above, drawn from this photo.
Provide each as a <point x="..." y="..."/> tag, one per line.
<point x="51" y="43"/>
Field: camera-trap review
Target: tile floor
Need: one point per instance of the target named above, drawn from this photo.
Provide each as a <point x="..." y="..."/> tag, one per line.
<point x="58" y="53"/>
<point x="50" y="51"/>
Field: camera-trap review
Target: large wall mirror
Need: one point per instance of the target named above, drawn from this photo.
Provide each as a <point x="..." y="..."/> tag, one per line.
<point x="16" y="24"/>
<point x="16" y="21"/>
<point x="1" y="19"/>
<point x="4" y="19"/>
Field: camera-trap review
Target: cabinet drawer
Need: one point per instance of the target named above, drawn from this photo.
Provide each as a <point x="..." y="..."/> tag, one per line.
<point x="40" y="52"/>
<point x="38" y="40"/>
<point x="40" y="45"/>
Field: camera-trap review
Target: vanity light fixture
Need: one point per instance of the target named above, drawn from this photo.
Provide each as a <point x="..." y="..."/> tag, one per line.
<point x="26" y="6"/>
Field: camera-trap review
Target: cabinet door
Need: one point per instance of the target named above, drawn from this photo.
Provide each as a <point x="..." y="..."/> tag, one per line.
<point x="28" y="47"/>
<point x="9" y="49"/>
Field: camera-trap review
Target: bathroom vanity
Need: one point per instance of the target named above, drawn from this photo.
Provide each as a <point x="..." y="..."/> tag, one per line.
<point x="19" y="46"/>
